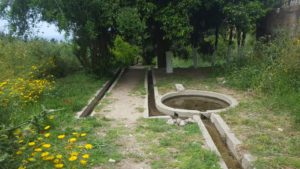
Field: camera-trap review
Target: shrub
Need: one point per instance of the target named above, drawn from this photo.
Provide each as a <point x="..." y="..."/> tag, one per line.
<point x="273" y="69"/>
<point x="35" y="143"/>
<point x="17" y="57"/>
<point x="124" y="52"/>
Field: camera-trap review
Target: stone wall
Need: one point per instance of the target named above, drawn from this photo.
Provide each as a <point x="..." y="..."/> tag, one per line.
<point x="285" y="18"/>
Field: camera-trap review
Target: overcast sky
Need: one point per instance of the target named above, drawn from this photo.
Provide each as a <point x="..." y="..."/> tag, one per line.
<point x="43" y="30"/>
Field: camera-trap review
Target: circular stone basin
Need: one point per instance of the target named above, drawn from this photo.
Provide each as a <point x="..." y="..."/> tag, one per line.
<point x="187" y="103"/>
<point x="201" y="103"/>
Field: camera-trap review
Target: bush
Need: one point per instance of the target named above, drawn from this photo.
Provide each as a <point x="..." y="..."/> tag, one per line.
<point x="35" y="143"/>
<point x="125" y="53"/>
<point x="273" y="69"/>
<point x="27" y="70"/>
<point x="17" y="57"/>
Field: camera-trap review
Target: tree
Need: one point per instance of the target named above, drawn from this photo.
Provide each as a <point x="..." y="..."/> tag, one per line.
<point x="241" y="17"/>
<point x="92" y="23"/>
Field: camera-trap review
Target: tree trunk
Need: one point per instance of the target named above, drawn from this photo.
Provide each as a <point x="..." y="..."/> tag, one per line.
<point x="239" y="43"/>
<point x="161" y="55"/>
<point x="100" y="54"/>
<point x="216" y="45"/>
<point x="229" y="44"/>
<point x="242" y="45"/>
<point x="243" y="38"/>
<point x="195" y="57"/>
<point x="161" y="45"/>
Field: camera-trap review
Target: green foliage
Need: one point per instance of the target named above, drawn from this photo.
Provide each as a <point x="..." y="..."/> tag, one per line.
<point x="125" y="53"/>
<point x="244" y="15"/>
<point x="156" y="26"/>
<point x="272" y="69"/>
<point x="17" y="58"/>
<point x="175" y="22"/>
<point x="70" y="93"/>
<point x="130" y="25"/>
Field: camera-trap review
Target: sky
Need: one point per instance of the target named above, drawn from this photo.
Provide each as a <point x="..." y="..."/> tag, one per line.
<point x="43" y="30"/>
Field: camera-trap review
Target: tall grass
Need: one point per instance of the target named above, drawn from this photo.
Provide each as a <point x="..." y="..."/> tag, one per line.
<point x="17" y="57"/>
<point x="272" y="69"/>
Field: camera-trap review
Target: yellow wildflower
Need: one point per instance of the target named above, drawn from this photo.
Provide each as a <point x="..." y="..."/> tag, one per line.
<point x="33" y="153"/>
<point x="83" y="162"/>
<point x="38" y="149"/>
<point x="56" y="161"/>
<point x="31" y="143"/>
<point x="40" y="138"/>
<point x="74" y="154"/>
<point x="21" y="141"/>
<point x="44" y="154"/>
<point x="47" y="145"/>
<point x="59" y="165"/>
<point x="17" y="132"/>
<point x="58" y="156"/>
<point x="83" y="134"/>
<point x="19" y="152"/>
<point x="72" y="140"/>
<point x="47" y="134"/>
<point x="51" y="117"/>
<point x="86" y="156"/>
<point x="31" y="159"/>
<point x="88" y="146"/>
<point x="47" y="127"/>
<point x="22" y="167"/>
<point x="48" y="158"/>
<point x="22" y="148"/>
<point x="73" y="158"/>
<point x="61" y="136"/>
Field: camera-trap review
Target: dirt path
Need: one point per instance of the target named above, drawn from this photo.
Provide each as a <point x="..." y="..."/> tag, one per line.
<point x="124" y="106"/>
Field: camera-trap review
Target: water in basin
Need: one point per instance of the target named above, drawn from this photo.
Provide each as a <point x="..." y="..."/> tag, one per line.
<point x="201" y="103"/>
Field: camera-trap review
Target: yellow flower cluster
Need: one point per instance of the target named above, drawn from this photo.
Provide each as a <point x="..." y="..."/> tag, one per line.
<point x="56" y="150"/>
<point x="22" y="90"/>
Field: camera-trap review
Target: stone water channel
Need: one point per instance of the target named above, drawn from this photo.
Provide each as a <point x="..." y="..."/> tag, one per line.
<point x="201" y="104"/>
<point x="188" y="102"/>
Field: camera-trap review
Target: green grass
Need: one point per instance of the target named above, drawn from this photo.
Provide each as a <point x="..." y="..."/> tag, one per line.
<point x="173" y="146"/>
<point x="259" y="126"/>
<point x="72" y="94"/>
<point x="188" y="63"/>
<point x="256" y="121"/>
<point x="167" y="84"/>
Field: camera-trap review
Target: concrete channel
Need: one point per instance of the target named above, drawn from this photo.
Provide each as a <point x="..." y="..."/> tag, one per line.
<point x="217" y="134"/>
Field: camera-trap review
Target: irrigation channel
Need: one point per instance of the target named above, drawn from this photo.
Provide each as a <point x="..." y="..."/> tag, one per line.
<point x="201" y="104"/>
<point x="229" y="159"/>
<point x="151" y="96"/>
<point x="100" y="94"/>
<point x="227" y="156"/>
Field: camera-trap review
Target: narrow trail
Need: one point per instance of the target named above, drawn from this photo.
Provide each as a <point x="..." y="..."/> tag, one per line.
<point x="124" y="108"/>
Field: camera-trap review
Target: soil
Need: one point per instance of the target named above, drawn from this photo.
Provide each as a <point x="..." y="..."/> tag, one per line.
<point x="122" y="109"/>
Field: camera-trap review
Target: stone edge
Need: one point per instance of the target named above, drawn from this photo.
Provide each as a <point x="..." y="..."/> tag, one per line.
<point x="233" y="143"/>
<point x="209" y="143"/>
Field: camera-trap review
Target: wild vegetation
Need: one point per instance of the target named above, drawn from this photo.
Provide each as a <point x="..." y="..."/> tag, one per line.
<point x="44" y="75"/>
<point x="220" y="34"/>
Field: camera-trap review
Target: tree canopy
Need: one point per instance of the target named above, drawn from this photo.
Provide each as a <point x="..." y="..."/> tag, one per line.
<point x="155" y="26"/>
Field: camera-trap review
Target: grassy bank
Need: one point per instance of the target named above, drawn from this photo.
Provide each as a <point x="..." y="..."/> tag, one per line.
<point x="270" y="132"/>
<point x="71" y="94"/>
<point x="45" y="74"/>
<point x="174" y="146"/>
